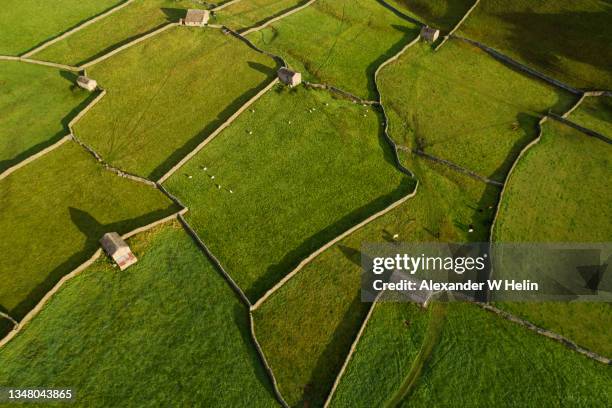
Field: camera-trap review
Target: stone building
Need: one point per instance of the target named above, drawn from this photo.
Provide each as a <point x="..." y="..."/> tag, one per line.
<point x="429" y="34"/>
<point x="289" y="77"/>
<point x="196" y="18"/>
<point x="86" y="83"/>
<point x="117" y="249"/>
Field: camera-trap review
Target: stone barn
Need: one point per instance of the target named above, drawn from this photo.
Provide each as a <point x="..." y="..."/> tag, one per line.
<point x="196" y="18"/>
<point x="429" y="34"/>
<point x="87" y="83"/>
<point x="117" y="249"/>
<point x="289" y="77"/>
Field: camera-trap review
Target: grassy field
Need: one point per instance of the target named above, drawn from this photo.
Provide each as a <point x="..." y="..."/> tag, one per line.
<point x="136" y="19"/>
<point x="595" y="113"/>
<point x="451" y="105"/>
<point x="302" y="167"/>
<point x="56" y="209"/>
<point x="307" y="326"/>
<point x="564" y="39"/>
<point x="559" y="192"/>
<point x="250" y="13"/>
<point x="441" y="14"/>
<point x="26" y="23"/>
<point x="169" y="93"/>
<point x="168" y="331"/>
<point x="353" y="38"/>
<point x="529" y="370"/>
<point x="36" y="104"/>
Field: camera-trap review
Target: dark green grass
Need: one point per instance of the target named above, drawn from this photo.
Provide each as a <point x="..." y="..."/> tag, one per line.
<point x="168" y="331"/>
<point x="136" y="19"/>
<point x="441" y="14"/>
<point x="167" y="94"/>
<point x="461" y="105"/>
<point x="55" y="211"/>
<point x="595" y="113"/>
<point x="36" y="104"/>
<point x="353" y="37"/>
<point x="560" y="191"/>
<point x="566" y="39"/>
<point x="26" y="23"/>
<point x="303" y="167"/>
<point x="250" y="13"/>
<point x="482" y="360"/>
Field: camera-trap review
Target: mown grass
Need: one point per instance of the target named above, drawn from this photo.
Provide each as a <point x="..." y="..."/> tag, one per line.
<point x="461" y="105"/>
<point x="169" y="93"/>
<point x="36" y="103"/>
<point x="307" y="326"/>
<point x="245" y="14"/>
<point x="134" y="20"/>
<point x="560" y="191"/>
<point x="441" y="14"/>
<point x="55" y="210"/>
<point x="26" y="23"/>
<point x="353" y="37"/>
<point x="595" y="113"/>
<point x="168" y="331"/>
<point x="564" y="39"/>
<point x="287" y="176"/>
<point x="482" y="360"/>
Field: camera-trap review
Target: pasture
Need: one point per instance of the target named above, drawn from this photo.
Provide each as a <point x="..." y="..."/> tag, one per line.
<point x="167" y="94"/>
<point x="461" y="105"/>
<point x="440" y="14"/>
<point x="56" y="209"/>
<point x="24" y="24"/>
<point x="36" y="104"/>
<point x="564" y="39"/>
<point x="353" y="38"/>
<point x="245" y="14"/>
<point x="128" y="23"/>
<point x="595" y="113"/>
<point x="169" y="329"/>
<point x="290" y="174"/>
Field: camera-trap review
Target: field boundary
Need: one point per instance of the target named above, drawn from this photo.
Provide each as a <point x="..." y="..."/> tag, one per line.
<point x="400" y="13"/>
<point x="349" y="356"/>
<point x="266" y="23"/>
<point x="224" y="5"/>
<point x="329" y="244"/>
<point x="456" y="27"/>
<point x="35" y="156"/>
<point x="77" y="28"/>
<point x="547" y="333"/>
<point x="340" y="92"/>
<point x="580" y="128"/>
<point x="75" y="272"/>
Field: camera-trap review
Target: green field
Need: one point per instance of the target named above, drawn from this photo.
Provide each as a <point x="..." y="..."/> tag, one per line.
<point x="483" y="361"/>
<point x="24" y="24"/>
<point x="353" y="37"/>
<point x="595" y="113"/>
<point x="302" y="168"/>
<point x="167" y="94"/>
<point x="565" y="39"/>
<point x="136" y="19"/>
<point x="245" y="14"/>
<point x="560" y="191"/>
<point x="36" y="103"/>
<point x="56" y="209"/>
<point x="168" y="331"/>
<point x="451" y="105"/>
<point x="441" y="14"/>
<point x="307" y="326"/>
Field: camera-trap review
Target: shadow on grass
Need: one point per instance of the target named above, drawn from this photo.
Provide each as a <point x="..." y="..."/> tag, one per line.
<point x="70" y="76"/>
<point x="92" y="231"/>
<point x="291" y="259"/>
<point x="443" y="20"/>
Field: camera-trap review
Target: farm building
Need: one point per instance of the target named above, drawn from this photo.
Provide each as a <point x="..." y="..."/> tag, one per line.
<point x="289" y="77"/>
<point x="86" y="83"/>
<point x="196" y="18"/>
<point x="430" y="34"/>
<point x="117" y="249"/>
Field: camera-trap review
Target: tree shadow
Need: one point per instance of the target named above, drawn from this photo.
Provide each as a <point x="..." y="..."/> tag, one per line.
<point x="92" y="231"/>
<point x="173" y="14"/>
